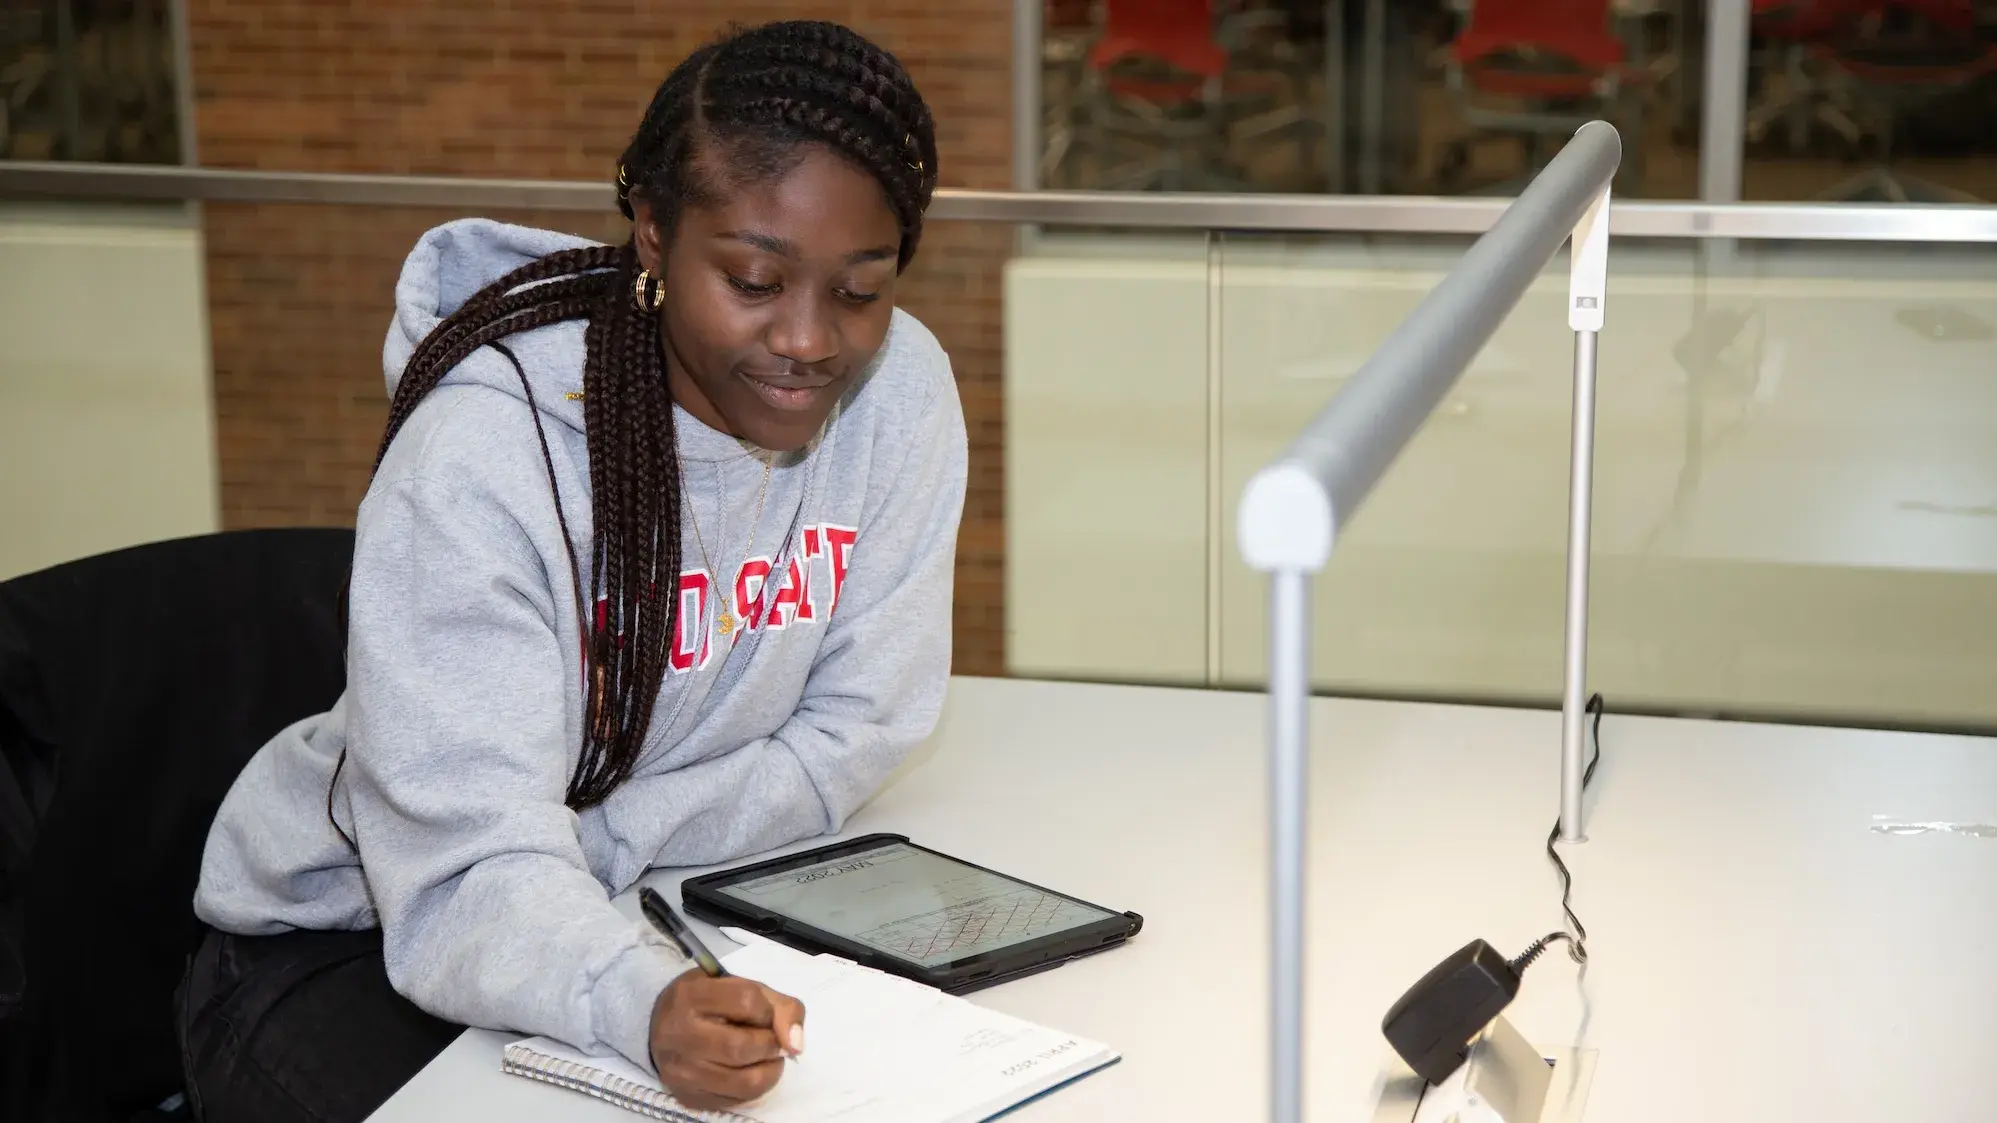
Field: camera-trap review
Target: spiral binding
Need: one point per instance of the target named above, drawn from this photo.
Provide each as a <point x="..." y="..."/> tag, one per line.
<point x="650" y="1102"/>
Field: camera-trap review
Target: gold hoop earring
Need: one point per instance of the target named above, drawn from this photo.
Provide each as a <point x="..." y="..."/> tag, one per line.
<point x="646" y="292"/>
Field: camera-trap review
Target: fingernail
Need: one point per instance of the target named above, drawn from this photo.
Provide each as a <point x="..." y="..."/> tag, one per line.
<point x="796" y="1039"/>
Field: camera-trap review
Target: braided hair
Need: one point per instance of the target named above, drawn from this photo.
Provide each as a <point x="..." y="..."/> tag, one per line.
<point x="742" y="109"/>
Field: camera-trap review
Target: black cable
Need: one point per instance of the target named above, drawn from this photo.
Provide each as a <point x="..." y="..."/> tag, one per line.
<point x="1576" y="937"/>
<point x="1533" y="950"/>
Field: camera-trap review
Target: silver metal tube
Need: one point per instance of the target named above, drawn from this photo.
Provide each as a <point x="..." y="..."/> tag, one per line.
<point x="1216" y="463"/>
<point x="1289" y="802"/>
<point x="1856" y="222"/>
<point x="1723" y="105"/>
<point x="1350" y="444"/>
<point x="69" y="96"/>
<point x="1411" y="214"/>
<point x="1580" y="503"/>
<point x="1334" y="96"/>
<point x="160" y="182"/>
<point x="1373" y="97"/>
<point x="183" y="82"/>
<point x="1028" y="49"/>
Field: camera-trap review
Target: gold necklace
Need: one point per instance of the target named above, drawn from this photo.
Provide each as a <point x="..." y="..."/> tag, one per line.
<point x="726" y="621"/>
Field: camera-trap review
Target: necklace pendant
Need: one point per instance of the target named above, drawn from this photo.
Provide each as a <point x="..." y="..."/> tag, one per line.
<point x="726" y="623"/>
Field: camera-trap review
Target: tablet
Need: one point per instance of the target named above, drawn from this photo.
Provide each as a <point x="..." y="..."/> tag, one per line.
<point x="884" y="902"/>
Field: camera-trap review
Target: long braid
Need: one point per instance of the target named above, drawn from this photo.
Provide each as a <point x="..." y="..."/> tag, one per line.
<point x="585" y="285"/>
<point x="498" y="299"/>
<point x="634" y="563"/>
<point x="755" y="98"/>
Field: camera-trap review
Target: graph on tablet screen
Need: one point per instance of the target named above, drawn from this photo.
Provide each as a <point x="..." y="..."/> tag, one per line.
<point x="915" y="904"/>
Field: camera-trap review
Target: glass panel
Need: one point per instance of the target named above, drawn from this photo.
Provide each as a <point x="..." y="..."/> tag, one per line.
<point x="1437" y="97"/>
<point x="1886" y="102"/>
<point x="1432" y="588"/>
<point x="106" y="422"/>
<point x="1106" y="392"/>
<point x="89" y="81"/>
<point x="1794" y="513"/>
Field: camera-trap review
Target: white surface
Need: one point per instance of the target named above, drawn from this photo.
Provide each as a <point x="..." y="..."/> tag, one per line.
<point x="107" y="435"/>
<point x="1588" y="267"/>
<point x="1285" y="520"/>
<point x="1760" y="952"/>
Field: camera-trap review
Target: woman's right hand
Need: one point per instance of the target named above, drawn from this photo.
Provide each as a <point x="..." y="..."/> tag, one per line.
<point x="722" y="1042"/>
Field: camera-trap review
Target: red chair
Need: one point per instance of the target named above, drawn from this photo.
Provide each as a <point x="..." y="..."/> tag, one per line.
<point x="1539" y="69"/>
<point x="1791" y="29"/>
<point x="1550" y="49"/>
<point x="1177" y="33"/>
<point x="1940" y="49"/>
<point x="1160" y="79"/>
<point x="1806" y="20"/>
<point x="1069" y="15"/>
<point x="1955" y="17"/>
<point x="1903" y="54"/>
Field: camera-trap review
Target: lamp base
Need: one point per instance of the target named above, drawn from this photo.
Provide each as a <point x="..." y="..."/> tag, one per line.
<point x="1505" y="1080"/>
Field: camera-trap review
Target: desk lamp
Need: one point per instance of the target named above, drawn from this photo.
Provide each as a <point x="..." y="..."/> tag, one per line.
<point x="1289" y="517"/>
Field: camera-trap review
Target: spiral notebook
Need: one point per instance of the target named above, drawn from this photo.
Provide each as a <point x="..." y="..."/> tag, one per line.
<point x="878" y="1049"/>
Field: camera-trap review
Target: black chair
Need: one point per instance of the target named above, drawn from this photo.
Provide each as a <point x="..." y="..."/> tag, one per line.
<point x="133" y="688"/>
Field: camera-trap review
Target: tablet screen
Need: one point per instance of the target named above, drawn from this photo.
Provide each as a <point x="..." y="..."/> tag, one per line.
<point x="914" y="904"/>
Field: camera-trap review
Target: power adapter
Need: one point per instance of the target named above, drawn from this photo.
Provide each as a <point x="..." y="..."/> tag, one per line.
<point x="1432" y="1025"/>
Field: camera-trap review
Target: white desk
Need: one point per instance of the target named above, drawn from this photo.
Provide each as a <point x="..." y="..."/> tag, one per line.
<point x="1760" y="952"/>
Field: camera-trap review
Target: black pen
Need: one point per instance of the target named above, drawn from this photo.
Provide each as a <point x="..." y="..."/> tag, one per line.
<point x="679" y="932"/>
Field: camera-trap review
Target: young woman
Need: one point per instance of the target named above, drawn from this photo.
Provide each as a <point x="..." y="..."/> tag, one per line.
<point x="655" y="569"/>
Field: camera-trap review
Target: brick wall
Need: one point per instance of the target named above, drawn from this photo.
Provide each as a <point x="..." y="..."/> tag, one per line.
<point x="299" y="296"/>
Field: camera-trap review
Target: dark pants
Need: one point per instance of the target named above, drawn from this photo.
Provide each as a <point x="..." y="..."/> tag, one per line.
<point x="298" y="1028"/>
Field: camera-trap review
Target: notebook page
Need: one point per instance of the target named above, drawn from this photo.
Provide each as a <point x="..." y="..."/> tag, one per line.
<point x="856" y="1028"/>
<point x="882" y="1049"/>
<point x="888" y="1050"/>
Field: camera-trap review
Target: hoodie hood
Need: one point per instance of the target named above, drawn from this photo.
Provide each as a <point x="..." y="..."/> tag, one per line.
<point x="456" y="260"/>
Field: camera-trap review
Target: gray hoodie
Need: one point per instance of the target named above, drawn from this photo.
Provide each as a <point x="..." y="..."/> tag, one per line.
<point x="462" y="716"/>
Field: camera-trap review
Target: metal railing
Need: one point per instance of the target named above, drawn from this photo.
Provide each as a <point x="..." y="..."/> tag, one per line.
<point x="1292" y="511"/>
<point x="1292" y="213"/>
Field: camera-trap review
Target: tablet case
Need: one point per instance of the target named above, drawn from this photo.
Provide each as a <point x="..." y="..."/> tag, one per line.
<point x="703" y="898"/>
